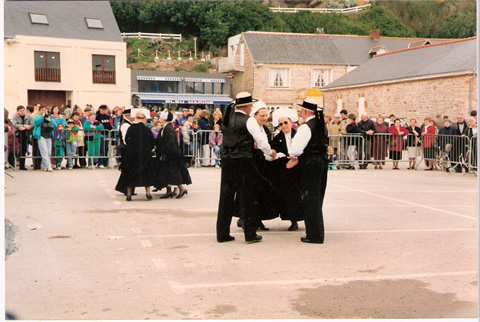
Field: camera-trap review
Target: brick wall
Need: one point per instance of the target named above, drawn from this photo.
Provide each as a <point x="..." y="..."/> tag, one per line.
<point x="433" y="98"/>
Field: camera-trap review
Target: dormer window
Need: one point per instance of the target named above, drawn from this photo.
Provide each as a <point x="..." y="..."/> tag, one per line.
<point x="377" y="50"/>
<point x="93" y="23"/>
<point x="38" y="18"/>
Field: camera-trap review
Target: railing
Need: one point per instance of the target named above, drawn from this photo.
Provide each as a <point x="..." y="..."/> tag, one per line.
<point x="321" y="10"/>
<point x="442" y="152"/>
<point x="147" y="35"/>
<point x="47" y="74"/>
<point x="103" y="77"/>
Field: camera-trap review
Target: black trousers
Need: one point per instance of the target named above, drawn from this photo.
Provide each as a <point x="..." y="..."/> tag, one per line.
<point x="37" y="159"/>
<point x="238" y="183"/>
<point x="23" y="140"/>
<point x="313" y="183"/>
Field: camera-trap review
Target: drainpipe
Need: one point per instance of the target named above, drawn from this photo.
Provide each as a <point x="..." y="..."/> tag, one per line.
<point x="470" y="96"/>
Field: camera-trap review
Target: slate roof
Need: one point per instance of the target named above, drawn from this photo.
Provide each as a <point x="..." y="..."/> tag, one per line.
<point x="290" y="48"/>
<point x="66" y="19"/>
<point x="458" y="56"/>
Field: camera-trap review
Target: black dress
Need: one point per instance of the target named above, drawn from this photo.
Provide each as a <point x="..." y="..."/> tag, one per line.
<point x="268" y="201"/>
<point x="137" y="163"/>
<point x="169" y="164"/>
<point x="286" y="181"/>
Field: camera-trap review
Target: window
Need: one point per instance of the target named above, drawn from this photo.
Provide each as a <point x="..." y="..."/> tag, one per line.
<point x="217" y="88"/>
<point x="103" y="69"/>
<point x="199" y="88"/>
<point x="157" y="86"/>
<point x="47" y="66"/>
<point x="37" y="18"/>
<point x="94" y="23"/>
<point x="279" y="77"/>
<point x="321" y="77"/>
<point x="189" y="87"/>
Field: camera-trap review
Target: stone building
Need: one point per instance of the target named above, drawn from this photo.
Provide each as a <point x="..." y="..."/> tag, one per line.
<point x="63" y="52"/>
<point x="284" y="68"/>
<point x="430" y="80"/>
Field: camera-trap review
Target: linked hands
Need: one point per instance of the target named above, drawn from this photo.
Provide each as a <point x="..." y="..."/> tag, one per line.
<point x="292" y="162"/>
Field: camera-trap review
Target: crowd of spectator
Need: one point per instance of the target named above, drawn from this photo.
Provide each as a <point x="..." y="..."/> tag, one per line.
<point x="65" y="137"/>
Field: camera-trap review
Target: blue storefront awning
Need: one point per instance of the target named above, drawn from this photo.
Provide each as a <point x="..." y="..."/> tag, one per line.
<point x="192" y="99"/>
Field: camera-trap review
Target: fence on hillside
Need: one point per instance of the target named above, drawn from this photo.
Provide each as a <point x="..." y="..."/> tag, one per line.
<point x="321" y="10"/>
<point x="149" y="35"/>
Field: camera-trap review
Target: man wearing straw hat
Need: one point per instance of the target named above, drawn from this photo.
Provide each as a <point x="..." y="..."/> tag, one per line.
<point x="309" y="151"/>
<point x="238" y="181"/>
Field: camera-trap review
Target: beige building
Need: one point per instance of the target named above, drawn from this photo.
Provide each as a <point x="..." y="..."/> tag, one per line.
<point x="284" y="68"/>
<point x="426" y="81"/>
<point x="63" y="52"/>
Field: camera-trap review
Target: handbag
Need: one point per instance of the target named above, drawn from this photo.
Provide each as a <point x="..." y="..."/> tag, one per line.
<point x="393" y="141"/>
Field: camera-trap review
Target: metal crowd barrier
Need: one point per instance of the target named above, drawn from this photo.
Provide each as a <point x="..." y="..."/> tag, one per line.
<point x="203" y="154"/>
<point x="446" y="152"/>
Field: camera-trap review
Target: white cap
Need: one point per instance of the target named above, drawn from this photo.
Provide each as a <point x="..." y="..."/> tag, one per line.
<point x="289" y="113"/>
<point x="134" y="112"/>
<point x="164" y="114"/>
<point x="258" y="106"/>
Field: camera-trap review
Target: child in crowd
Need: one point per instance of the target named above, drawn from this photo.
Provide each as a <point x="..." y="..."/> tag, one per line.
<point x="58" y="146"/>
<point x="332" y="158"/>
<point x="93" y="135"/>
<point x="215" y="141"/>
<point x="71" y="142"/>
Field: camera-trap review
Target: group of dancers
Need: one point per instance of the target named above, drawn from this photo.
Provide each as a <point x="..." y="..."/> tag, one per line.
<point x="138" y="166"/>
<point x="262" y="179"/>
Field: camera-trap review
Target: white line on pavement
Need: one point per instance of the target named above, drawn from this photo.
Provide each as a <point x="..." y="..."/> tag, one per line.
<point x="146" y="243"/>
<point x="118" y="203"/>
<point x="136" y="230"/>
<point x="181" y="287"/>
<point x="414" y="204"/>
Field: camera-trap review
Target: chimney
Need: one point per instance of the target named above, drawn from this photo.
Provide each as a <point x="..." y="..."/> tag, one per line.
<point x="375" y="34"/>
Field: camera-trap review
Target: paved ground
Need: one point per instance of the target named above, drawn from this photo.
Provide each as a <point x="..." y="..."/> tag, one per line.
<point x="399" y="244"/>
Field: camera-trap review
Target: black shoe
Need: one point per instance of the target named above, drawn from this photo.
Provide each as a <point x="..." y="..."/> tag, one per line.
<point x="311" y="241"/>
<point x="185" y="192"/>
<point x="129" y="198"/>
<point x="23" y="169"/>
<point x="149" y="197"/>
<point x="255" y="239"/>
<point x="76" y="167"/>
<point x="226" y="239"/>
<point x="261" y="226"/>
<point x="167" y="195"/>
<point x="240" y="224"/>
<point x="175" y="191"/>
<point x="430" y="169"/>
<point x="293" y="227"/>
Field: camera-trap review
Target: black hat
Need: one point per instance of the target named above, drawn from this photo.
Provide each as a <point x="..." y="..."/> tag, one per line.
<point x="309" y="106"/>
<point x="244" y="98"/>
<point x="127" y="111"/>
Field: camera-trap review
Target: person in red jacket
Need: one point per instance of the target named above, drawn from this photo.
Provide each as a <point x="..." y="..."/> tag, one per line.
<point x="428" y="136"/>
<point x="396" y="142"/>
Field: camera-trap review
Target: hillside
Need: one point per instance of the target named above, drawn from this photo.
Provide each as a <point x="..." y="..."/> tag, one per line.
<point x="213" y="22"/>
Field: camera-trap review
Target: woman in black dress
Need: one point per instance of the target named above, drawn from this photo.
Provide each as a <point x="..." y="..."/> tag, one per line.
<point x="137" y="164"/>
<point x="286" y="180"/>
<point x="170" y="167"/>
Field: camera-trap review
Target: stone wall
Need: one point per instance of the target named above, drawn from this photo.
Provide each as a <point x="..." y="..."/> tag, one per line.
<point x="421" y="98"/>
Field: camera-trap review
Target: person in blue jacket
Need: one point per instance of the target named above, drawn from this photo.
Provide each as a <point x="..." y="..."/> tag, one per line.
<point x="44" y="124"/>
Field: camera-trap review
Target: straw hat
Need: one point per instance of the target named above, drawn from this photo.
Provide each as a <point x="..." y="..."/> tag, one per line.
<point x="244" y="98"/>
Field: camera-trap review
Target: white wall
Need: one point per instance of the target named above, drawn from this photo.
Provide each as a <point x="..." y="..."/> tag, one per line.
<point x="76" y="71"/>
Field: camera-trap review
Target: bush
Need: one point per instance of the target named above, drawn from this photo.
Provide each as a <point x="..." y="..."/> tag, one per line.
<point x="201" y="68"/>
<point x="334" y="5"/>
